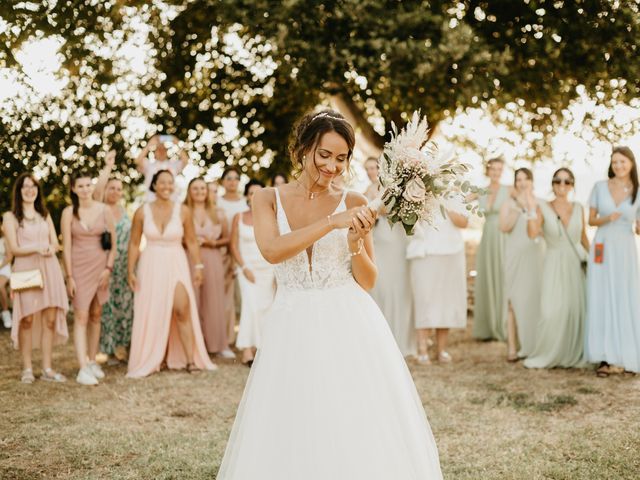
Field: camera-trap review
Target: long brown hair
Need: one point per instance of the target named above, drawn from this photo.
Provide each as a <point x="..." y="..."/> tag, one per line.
<point x="310" y="128"/>
<point x="626" y="151"/>
<point x="75" y="201"/>
<point x="17" y="208"/>
<point x="209" y="202"/>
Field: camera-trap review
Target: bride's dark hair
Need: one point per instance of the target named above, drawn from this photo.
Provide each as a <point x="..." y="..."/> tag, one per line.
<point x="309" y="129"/>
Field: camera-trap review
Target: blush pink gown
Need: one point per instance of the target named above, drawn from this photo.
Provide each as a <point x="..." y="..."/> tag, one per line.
<point x="88" y="261"/>
<point x="53" y="294"/>
<point x="211" y="295"/>
<point x="163" y="265"/>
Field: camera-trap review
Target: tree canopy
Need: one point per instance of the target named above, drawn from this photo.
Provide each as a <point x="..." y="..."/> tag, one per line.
<point x="231" y="76"/>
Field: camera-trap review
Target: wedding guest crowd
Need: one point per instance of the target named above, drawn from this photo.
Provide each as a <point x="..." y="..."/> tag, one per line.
<point x="175" y="298"/>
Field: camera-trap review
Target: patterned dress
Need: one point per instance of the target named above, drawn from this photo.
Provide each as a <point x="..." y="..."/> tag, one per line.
<point x="117" y="313"/>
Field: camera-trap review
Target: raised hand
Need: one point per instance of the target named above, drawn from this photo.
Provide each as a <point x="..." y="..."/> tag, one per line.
<point x="110" y="159"/>
<point x="345" y="219"/>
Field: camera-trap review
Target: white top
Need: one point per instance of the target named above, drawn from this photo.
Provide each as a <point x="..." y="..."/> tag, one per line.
<point x="150" y="169"/>
<point x="232" y="207"/>
<point x="442" y="237"/>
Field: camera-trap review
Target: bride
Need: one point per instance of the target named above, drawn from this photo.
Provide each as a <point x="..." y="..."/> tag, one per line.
<point x="329" y="395"/>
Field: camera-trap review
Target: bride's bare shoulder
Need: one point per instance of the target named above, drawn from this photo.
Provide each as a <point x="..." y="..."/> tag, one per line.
<point x="355" y="199"/>
<point x="265" y="196"/>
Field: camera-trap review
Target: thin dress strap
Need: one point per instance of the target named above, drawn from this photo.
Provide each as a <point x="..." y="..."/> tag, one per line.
<point x="281" y="215"/>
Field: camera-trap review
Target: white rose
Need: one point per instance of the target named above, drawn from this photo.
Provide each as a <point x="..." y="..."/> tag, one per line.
<point x="415" y="191"/>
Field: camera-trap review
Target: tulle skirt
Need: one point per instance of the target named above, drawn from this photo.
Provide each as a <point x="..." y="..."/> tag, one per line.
<point x="329" y="397"/>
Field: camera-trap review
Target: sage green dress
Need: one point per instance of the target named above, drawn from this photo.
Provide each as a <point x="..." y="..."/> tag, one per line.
<point x="117" y="313"/>
<point x="523" y="262"/>
<point x="490" y="302"/>
<point x="560" y="338"/>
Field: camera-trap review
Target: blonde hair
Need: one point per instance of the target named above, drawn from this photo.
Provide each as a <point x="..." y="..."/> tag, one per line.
<point x="209" y="202"/>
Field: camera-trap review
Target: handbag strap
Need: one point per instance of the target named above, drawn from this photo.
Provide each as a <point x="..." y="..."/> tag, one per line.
<point x="564" y="228"/>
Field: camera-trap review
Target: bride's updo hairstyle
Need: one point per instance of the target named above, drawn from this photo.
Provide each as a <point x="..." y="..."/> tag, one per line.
<point x="309" y="129"/>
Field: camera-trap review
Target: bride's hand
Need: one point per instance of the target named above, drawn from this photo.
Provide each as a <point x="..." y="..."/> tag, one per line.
<point x="361" y="224"/>
<point x="345" y="219"/>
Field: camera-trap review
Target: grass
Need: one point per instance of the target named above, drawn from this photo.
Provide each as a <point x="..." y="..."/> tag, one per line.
<point x="491" y="420"/>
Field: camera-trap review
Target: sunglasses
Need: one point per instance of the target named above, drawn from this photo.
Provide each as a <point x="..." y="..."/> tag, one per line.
<point x="558" y="181"/>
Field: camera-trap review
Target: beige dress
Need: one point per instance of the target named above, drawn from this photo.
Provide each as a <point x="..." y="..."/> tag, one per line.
<point x="53" y="294"/>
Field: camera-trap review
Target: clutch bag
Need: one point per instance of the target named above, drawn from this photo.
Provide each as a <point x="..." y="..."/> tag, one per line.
<point x="26" y="280"/>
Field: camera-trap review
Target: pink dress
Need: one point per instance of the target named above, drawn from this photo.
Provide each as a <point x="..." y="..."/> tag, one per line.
<point x="88" y="261"/>
<point x="53" y="294"/>
<point x="210" y="297"/>
<point x="163" y="265"/>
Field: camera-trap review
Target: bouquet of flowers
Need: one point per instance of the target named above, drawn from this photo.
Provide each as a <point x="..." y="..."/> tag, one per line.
<point x="415" y="179"/>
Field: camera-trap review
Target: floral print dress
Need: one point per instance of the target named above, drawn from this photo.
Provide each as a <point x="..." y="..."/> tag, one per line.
<point x="117" y="313"/>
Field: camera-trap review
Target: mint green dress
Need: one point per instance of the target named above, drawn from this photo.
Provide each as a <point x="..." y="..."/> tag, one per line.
<point x="560" y="336"/>
<point x="523" y="260"/>
<point x="490" y="303"/>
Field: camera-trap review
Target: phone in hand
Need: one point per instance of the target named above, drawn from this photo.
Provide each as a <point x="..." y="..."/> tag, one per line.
<point x="598" y="253"/>
<point x="166" y="138"/>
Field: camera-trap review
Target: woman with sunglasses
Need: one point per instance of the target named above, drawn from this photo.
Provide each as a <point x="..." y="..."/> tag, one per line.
<point x="522" y="266"/>
<point x="612" y="336"/>
<point x="559" y="340"/>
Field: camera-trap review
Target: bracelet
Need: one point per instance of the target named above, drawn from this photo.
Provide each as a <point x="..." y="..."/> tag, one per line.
<point x="532" y="215"/>
<point x="359" y="251"/>
<point x="198" y="266"/>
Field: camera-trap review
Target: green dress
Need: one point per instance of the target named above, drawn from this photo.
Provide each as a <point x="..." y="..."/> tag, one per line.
<point x="523" y="260"/>
<point x="490" y="305"/>
<point x="560" y="336"/>
<point x="117" y="313"/>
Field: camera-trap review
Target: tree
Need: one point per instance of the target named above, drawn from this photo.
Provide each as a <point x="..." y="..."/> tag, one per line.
<point x="231" y="76"/>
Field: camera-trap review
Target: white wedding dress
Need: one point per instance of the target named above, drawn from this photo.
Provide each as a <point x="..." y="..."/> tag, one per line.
<point x="329" y="396"/>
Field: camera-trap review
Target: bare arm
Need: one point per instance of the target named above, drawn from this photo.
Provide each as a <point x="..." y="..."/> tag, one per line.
<point x="234" y="245"/>
<point x="10" y="229"/>
<point x="184" y="157"/>
<point x="103" y="177"/>
<point x="8" y="256"/>
<point x="190" y="239"/>
<point x="53" y="235"/>
<point x="534" y="225"/>
<point x="141" y="159"/>
<point x="133" y="252"/>
<point x="111" y="226"/>
<point x="360" y="241"/>
<point x="276" y="248"/>
<point x="508" y="217"/>
<point x="67" y="245"/>
<point x="457" y="219"/>
<point x="584" y="239"/>
<point x="596" y="220"/>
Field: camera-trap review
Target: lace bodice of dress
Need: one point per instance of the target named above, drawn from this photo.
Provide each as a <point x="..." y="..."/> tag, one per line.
<point x="330" y="259"/>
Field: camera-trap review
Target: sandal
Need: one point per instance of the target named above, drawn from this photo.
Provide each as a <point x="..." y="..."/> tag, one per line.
<point x="192" y="368"/>
<point x="49" y="375"/>
<point x="603" y="370"/>
<point x="444" y="357"/>
<point x="27" y="376"/>
<point x="424" y="359"/>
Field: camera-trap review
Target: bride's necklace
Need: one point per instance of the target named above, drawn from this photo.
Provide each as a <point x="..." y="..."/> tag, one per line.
<point x="311" y="194"/>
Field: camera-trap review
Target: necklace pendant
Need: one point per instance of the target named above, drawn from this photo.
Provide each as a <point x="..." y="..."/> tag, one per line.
<point x="312" y="195"/>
